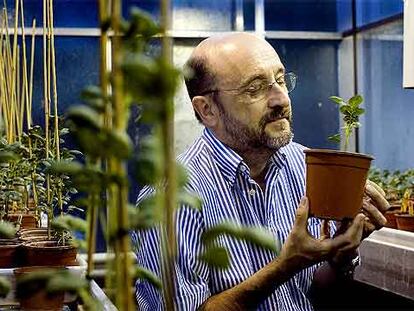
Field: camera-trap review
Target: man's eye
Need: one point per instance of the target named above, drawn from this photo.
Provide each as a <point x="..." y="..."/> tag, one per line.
<point x="255" y="87"/>
<point x="281" y="80"/>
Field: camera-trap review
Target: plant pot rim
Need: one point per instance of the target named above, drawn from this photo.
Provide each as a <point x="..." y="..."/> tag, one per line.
<point x="338" y="153"/>
<point x="404" y="215"/>
<point x="38" y="244"/>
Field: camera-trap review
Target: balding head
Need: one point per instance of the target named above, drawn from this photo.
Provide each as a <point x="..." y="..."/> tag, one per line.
<point x="214" y="57"/>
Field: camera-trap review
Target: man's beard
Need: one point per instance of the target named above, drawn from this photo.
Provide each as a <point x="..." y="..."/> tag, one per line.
<point x="243" y="136"/>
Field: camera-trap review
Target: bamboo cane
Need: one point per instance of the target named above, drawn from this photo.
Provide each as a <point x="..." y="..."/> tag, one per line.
<point x="47" y="105"/>
<point x="122" y="244"/>
<point x="167" y="129"/>
<point x="25" y="102"/>
<point x="55" y="98"/>
<point x="8" y="76"/>
<point x="32" y="51"/>
<point x="14" y="70"/>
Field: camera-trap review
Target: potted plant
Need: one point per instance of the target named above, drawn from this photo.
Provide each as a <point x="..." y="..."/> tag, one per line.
<point x="335" y="180"/>
<point x="405" y="219"/>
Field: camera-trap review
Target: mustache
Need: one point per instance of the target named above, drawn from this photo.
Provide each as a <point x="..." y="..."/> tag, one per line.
<point x="276" y="113"/>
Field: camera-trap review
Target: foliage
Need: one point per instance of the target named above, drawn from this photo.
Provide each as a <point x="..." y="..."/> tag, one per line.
<point x="351" y="111"/>
<point x="395" y="183"/>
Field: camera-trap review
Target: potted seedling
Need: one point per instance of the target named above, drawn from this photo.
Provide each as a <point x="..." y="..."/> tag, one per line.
<point x="405" y="219"/>
<point x="335" y="180"/>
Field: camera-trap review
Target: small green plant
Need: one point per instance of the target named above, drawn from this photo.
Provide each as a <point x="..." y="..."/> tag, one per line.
<point x="350" y="111"/>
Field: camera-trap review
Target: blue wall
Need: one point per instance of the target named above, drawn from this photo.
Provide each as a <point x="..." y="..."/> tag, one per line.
<point x="387" y="130"/>
<point x="315" y="62"/>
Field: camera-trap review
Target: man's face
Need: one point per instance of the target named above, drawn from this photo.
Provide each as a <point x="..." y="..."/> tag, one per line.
<point x="253" y="113"/>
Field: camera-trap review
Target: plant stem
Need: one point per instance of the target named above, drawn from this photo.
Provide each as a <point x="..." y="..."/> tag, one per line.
<point x="122" y="243"/>
<point x="167" y="129"/>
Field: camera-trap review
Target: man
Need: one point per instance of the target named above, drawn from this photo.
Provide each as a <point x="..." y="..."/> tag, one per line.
<point x="246" y="169"/>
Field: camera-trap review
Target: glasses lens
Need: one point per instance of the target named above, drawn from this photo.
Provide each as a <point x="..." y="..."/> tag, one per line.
<point x="290" y="80"/>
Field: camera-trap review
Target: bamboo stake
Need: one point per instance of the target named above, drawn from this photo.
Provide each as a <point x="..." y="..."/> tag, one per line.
<point x="19" y="112"/>
<point x="167" y="128"/>
<point x="47" y="106"/>
<point x="55" y="98"/>
<point x="8" y="75"/>
<point x="32" y="51"/>
<point x="93" y="211"/>
<point x="25" y="102"/>
<point x="122" y="244"/>
<point x="14" y="66"/>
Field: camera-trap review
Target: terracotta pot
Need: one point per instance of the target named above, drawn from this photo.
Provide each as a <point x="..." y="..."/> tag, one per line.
<point x="405" y="222"/>
<point x="34" y="234"/>
<point x="335" y="182"/>
<point x="391" y="219"/>
<point x="49" y="253"/>
<point x="32" y="295"/>
<point x="9" y="250"/>
<point x="28" y="220"/>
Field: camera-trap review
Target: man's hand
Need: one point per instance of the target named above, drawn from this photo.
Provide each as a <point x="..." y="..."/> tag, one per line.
<point x="374" y="207"/>
<point x="302" y="250"/>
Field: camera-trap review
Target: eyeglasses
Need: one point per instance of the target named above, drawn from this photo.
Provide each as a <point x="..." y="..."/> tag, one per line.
<point x="260" y="88"/>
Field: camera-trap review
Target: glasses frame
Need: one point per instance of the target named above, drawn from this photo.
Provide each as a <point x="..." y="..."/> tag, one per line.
<point x="291" y="74"/>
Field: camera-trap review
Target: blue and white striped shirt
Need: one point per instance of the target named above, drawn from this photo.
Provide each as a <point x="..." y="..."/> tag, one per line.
<point x="222" y="179"/>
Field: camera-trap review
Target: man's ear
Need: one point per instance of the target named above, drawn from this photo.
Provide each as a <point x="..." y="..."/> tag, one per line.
<point x="207" y="110"/>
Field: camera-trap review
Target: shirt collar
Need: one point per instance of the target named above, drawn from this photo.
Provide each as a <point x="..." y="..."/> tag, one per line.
<point x="229" y="162"/>
<point x="226" y="158"/>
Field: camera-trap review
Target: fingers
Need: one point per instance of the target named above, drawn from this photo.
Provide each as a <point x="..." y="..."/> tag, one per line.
<point x="374" y="215"/>
<point x="377" y="198"/>
<point x="325" y="232"/>
<point x="351" y="238"/>
<point x="378" y="188"/>
<point x="302" y="213"/>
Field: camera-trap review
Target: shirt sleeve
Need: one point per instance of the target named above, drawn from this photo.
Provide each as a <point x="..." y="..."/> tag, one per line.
<point x="191" y="275"/>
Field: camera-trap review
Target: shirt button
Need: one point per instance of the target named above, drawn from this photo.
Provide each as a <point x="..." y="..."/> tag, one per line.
<point x="242" y="168"/>
<point x="252" y="192"/>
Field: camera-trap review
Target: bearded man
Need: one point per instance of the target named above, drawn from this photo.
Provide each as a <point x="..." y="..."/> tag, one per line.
<point x="246" y="169"/>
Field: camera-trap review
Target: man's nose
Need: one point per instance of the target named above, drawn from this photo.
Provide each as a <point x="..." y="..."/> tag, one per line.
<point x="278" y="96"/>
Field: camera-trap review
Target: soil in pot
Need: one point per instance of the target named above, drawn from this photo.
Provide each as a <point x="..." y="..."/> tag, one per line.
<point x="405" y="222"/>
<point x="335" y="182"/>
<point x="32" y="294"/>
<point x="49" y="253"/>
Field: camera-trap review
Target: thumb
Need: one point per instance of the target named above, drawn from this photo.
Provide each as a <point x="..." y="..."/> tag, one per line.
<point x="302" y="213"/>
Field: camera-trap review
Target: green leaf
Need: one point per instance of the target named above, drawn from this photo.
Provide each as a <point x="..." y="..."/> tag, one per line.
<point x="6" y="156"/>
<point x="69" y="222"/>
<point x="256" y="235"/>
<point x="337" y="100"/>
<point x="64" y="167"/>
<point x="335" y="138"/>
<point x="216" y="256"/>
<point x="188" y="199"/>
<point x="5" y="287"/>
<point x="84" y="117"/>
<point x="7" y="230"/>
<point x="145" y="274"/>
<point x="148" y="213"/>
<point x="359" y="111"/>
<point x="118" y="144"/>
<point x="65" y="281"/>
<point x="355" y="101"/>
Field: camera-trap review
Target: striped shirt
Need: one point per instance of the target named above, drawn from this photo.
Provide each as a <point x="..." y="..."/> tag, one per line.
<point x="222" y="179"/>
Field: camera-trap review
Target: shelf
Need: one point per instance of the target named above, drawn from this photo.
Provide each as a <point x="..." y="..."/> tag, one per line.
<point x="387" y="261"/>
